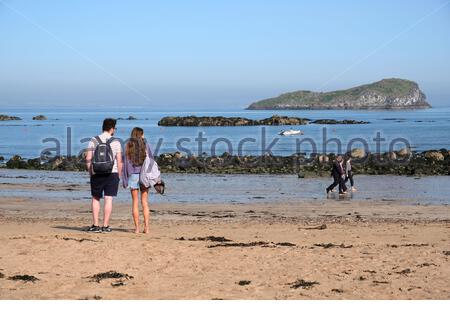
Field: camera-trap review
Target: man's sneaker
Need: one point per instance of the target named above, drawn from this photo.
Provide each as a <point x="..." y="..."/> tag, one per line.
<point x="94" y="228"/>
<point x="106" y="229"/>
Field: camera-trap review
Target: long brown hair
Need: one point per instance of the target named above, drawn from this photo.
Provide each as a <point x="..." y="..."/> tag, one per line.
<point x="135" y="148"/>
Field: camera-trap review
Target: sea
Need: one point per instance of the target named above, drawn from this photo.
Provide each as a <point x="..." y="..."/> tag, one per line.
<point x="68" y="128"/>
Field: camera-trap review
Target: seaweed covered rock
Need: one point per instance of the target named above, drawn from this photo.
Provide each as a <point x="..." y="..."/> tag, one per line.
<point x="332" y="121"/>
<point x="4" y="117"/>
<point x="194" y="121"/>
<point x="319" y="165"/>
<point x="434" y="155"/>
<point x="404" y="152"/>
<point x="358" y="153"/>
<point x="40" y="117"/>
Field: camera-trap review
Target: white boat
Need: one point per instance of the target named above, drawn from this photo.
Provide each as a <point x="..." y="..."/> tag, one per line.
<point x="290" y="132"/>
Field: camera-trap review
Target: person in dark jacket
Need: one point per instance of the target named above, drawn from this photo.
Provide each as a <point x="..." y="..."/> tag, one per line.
<point x="338" y="174"/>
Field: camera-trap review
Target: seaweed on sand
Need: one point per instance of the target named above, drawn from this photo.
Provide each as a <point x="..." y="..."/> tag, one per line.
<point x="405" y="271"/>
<point x="74" y="239"/>
<point x="263" y="244"/>
<point x="244" y="282"/>
<point x="332" y="245"/>
<point x="209" y="238"/>
<point x="24" y="277"/>
<point x="320" y="227"/>
<point x="300" y="283"/>
<point x="110" y="275"/>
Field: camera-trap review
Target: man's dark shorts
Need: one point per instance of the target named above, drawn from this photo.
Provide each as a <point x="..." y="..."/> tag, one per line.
<point x="104" y="185"/>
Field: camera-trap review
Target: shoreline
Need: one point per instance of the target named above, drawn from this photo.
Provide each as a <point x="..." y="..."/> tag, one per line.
<point x="402" y="163"/>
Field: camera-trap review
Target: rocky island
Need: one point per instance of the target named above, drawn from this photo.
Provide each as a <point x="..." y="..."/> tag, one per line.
<point x="389" y="94"/>
<point x="40" y="117"/>
<point x="4" y="117"/>
<point x="193" y="121"/>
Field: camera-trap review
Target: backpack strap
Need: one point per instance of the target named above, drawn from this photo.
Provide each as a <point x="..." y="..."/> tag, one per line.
<point x="98" y="139"/>
<point x="110" y="140"/>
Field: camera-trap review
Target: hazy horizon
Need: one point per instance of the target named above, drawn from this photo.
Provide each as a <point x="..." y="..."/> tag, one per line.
<point x="210" y="55"/>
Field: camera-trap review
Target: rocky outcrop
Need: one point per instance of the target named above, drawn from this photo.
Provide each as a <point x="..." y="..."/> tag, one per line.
<point x="384" y="94"/>
<point x="432" y="162"/>
<point x="358" y="153"/>
<point x="129" y="118"/>
<point x="193" y="121"/>
<point x="4" y="117"/>
<point x="40" y="117"/>
<point x="435" y="155"/>
<point x="331" y="121"/>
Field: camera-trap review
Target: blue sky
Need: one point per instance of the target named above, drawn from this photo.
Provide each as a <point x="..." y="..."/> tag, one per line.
<point x="215" y="54"/>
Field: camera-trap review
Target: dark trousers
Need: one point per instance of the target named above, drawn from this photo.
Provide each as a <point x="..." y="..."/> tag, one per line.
<point x="338" y="181"/>
<point x="349" y="177"/>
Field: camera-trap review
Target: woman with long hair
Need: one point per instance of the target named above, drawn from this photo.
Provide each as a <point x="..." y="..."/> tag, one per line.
<point x="136" y="149"/>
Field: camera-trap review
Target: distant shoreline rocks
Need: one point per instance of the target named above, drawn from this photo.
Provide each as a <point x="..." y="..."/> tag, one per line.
<point x="402" y="162"/>
<point x="40" y="117"/>
<point x="130" y="118"/>
<point x="275" y="120"/>
<point x="331" y="121"/>
<point x="4" y="117"/>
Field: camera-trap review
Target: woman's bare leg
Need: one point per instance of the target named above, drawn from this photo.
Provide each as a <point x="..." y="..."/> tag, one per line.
<point x="135" y="208"/>
<point x="145" y="209"/>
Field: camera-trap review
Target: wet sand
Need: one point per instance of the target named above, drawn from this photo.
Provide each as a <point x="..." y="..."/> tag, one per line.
<point x="291" y="250"/>
<point x="232" y="188"/>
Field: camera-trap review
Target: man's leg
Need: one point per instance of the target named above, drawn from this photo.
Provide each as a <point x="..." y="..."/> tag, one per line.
<point x="107" y="210"/>
<point x="333" y="185"/>
<point x="95" y="209"/>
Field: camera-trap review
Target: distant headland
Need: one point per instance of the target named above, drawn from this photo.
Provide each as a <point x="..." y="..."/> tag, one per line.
<point x="386" y="94"/>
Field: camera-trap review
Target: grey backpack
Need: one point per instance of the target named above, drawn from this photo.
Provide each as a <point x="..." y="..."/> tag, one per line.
<point x="103" y="160"/>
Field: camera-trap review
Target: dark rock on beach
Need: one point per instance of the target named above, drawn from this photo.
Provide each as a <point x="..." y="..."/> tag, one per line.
<point x="40" y="117"/>
<point x="4" y="117"/>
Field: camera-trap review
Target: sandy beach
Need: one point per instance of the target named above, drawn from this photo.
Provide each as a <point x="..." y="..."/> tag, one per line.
<point x="300" y="250"/>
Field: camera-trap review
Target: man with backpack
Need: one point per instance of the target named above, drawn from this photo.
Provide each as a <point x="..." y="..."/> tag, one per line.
<point x="104" y="163"/>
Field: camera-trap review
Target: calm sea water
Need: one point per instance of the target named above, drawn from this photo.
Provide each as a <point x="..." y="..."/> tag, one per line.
<point x="213" y="188"/>
<point x="422" y="129"/>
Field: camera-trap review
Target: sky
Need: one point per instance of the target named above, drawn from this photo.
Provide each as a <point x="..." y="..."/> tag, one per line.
<point x="215" y="54"/>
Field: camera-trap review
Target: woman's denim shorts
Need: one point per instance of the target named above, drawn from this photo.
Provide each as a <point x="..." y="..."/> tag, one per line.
<point x="133" y="181"/>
